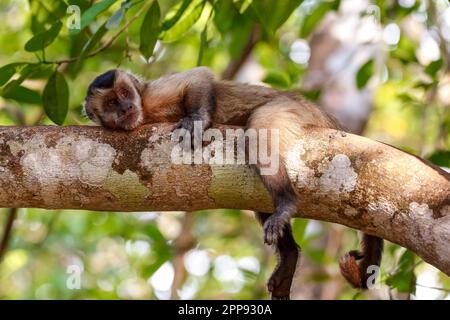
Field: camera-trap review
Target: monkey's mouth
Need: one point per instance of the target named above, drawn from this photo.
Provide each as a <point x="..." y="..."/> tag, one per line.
<point x="128" y="121"/>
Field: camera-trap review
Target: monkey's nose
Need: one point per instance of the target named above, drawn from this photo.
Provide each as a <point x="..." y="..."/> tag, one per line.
<point x="126" y="108"/>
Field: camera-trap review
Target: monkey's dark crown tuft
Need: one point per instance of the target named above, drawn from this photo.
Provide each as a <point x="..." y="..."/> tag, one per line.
<point x="103" y="81"/>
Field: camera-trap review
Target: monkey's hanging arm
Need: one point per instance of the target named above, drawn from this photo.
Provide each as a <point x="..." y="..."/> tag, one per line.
<point x="341" y="178"/>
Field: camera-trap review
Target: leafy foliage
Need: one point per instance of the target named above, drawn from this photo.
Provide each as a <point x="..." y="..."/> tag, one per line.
<point x="404" y="279"/>
<point x="90" y="14"/>
<point x="187" y="19"/>
<point x="43" y="39"/>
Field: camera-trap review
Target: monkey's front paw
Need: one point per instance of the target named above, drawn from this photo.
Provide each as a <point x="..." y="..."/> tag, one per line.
<point x="273" y="230"/>
<point x="187" y="123"/>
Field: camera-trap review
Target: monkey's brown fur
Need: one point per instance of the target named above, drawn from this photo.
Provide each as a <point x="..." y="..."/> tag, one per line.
<point x="119" y="100"/>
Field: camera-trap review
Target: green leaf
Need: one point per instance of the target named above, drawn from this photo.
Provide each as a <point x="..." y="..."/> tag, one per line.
<point x="277" y="79"/>
<point x="225" y="15"/>
<point x="150" y="30"/>
<point x="185" y="23"/>
<point x="298" y="229"/>
<point x="311" y="20"/>
<point x="272" y="14"/>
<point x="440" y="158"/>
<point x="90" y="14"/>
<point x="115" y="20"/>
<point x="25" y="72"/>
<point x="43" y="39"/>
<point x="434" y="67"/>
<point x="7" y="71"/>
<point x="83" y="4"/>
<point x="203" y="43"/>
<point x="23" y="95"/>
<point x="404" y="279"/>
<point x="77" y="44"/>
<point x="89" y="46"/>
<point x="174" y="14"/>
<point x="55" y="98"/>
<point x="44" y="13"/>
<point x="364" y="74"/>
<point x="153" y="232"/>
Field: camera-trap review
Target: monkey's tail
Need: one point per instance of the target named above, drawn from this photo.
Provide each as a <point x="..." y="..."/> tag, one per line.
<point x="356" y="272"/>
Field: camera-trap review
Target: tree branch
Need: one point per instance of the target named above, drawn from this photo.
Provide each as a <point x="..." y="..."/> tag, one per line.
<point x="341" y="178"/>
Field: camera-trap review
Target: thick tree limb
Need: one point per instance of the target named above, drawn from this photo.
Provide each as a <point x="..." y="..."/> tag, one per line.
<point x="342" y="178"/>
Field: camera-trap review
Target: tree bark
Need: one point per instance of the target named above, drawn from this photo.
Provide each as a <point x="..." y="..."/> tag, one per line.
<point x="340" y="177"/>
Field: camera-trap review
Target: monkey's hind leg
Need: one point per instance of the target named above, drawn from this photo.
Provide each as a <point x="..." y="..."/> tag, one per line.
<point x="277" y="118"/>
<point x="285" y="202"/>
<point x="357" y="273"/>
<point x="288" y="252"/>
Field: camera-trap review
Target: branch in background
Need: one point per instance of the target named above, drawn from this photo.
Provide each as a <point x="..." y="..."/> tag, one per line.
<point x="12" y="214"/>
<point x="7" y="230"/>
<point x="184" y="243"/>
<point x="235" y="64"/>
<point x="341" y="178"/>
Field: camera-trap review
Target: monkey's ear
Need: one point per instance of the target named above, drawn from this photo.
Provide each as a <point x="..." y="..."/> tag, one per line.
<point x="83" y="109"/>
<point x="138" y="83"/>
<point x="103" y="81"/>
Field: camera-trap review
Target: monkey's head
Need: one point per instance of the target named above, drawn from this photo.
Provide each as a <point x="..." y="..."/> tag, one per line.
<point x="113" y="100"/>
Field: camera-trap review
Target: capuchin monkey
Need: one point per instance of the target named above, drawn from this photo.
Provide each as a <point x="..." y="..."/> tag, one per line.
<point x="119" y="100"/>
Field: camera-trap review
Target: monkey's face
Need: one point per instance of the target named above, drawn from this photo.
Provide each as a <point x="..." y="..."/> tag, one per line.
<point x="114" y="100"/>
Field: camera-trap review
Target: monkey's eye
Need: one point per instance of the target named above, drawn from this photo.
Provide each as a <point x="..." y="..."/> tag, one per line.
<point x="112" y="102"/>
<point x="124" y="93"/>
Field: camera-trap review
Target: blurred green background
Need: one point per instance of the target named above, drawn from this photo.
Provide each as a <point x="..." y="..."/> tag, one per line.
<point x="381" y="67"/>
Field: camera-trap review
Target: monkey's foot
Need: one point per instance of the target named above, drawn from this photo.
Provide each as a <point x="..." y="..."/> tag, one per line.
<point x="273" y="229"/>
<point x="279" y="287"/>
<point x="280" y="298"/>
<point x="279" y="284"/>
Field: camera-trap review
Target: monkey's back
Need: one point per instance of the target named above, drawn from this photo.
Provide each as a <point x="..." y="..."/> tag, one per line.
<point x="236" y="102"/>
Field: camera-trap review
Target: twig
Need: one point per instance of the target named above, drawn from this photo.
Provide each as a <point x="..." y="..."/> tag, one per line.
<point x="434" y="288"/>
<point x="7" y="231"/>
<point x="183" y="244"/>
